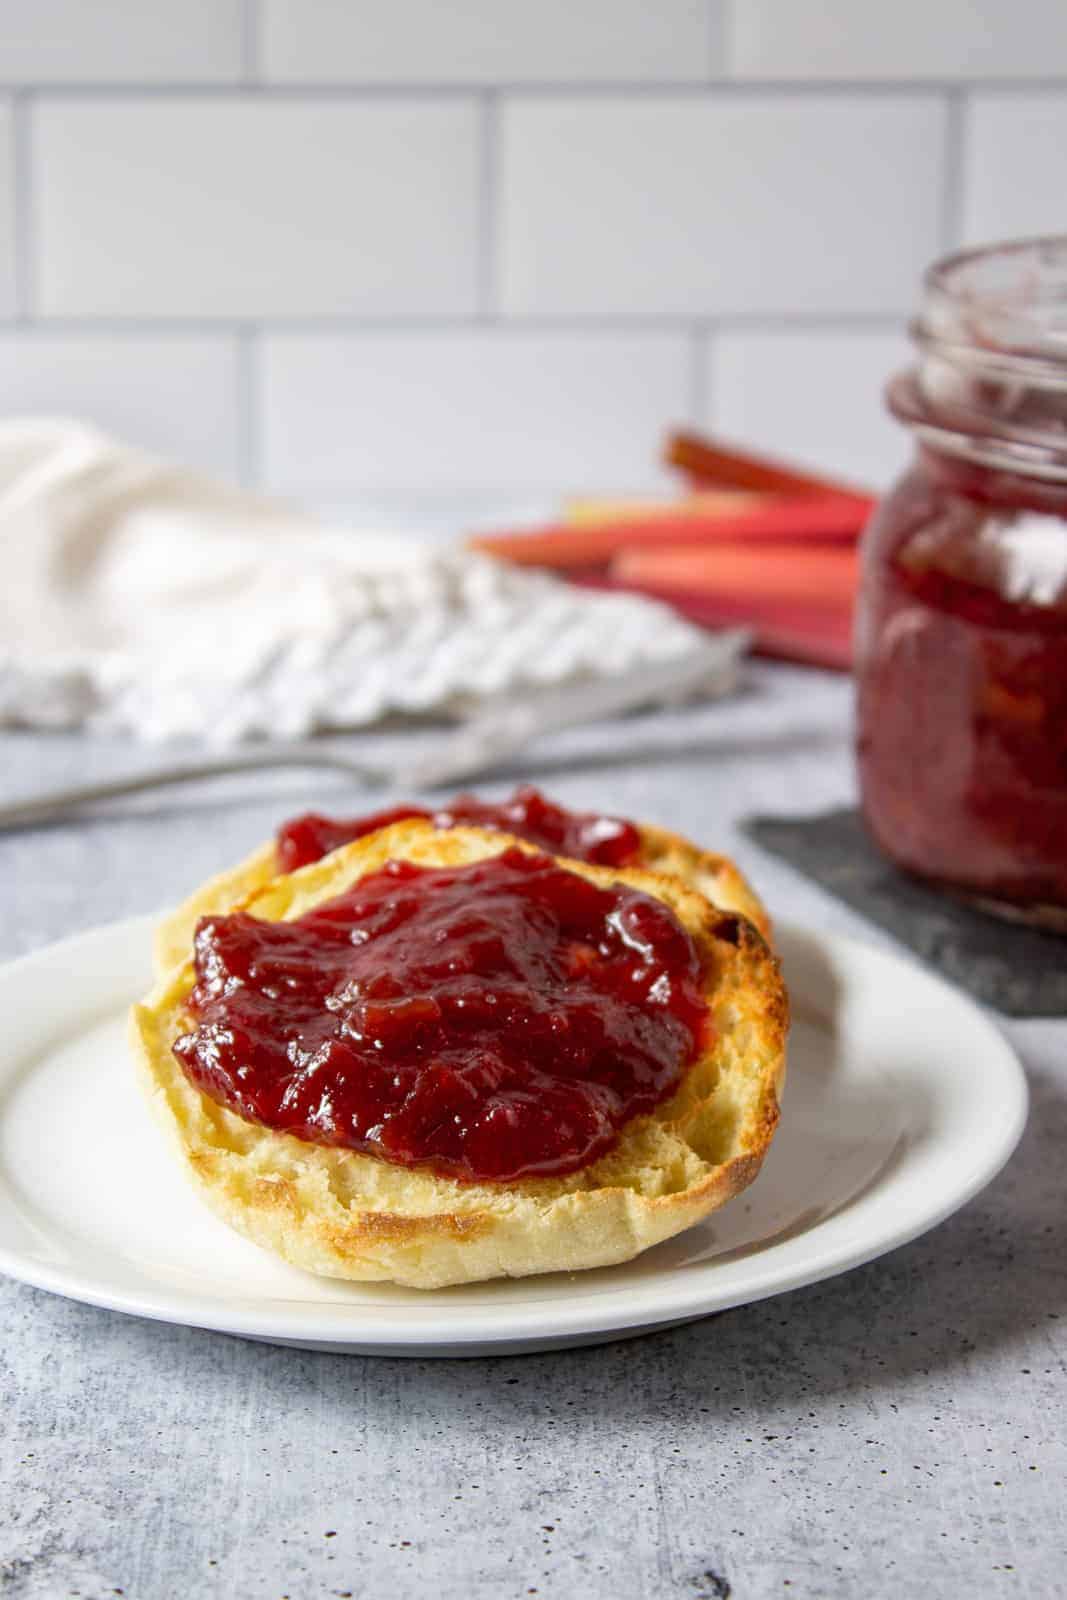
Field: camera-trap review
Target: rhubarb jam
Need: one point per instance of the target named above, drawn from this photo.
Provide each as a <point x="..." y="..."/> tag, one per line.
<point x="962" y="658"/>
<point x="584" y="836"/>
<point x="961" y="642"/>
<point x="493" y="1021"/>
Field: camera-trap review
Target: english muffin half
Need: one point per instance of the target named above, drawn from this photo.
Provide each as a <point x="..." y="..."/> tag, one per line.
<point x="716" y="877"/>
<point x="346" y="1214"/>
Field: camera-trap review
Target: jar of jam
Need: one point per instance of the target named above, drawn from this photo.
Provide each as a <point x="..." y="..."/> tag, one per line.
<point x="961" y="633"/>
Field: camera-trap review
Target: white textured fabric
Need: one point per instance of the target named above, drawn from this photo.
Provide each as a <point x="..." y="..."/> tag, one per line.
<point x="141" y="597"/>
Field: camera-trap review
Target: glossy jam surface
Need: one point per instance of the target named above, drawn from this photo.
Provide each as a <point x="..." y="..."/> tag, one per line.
<point x="493" y="1021"/>
<point x="962" y="681"/>
<point x="584" y="836"/>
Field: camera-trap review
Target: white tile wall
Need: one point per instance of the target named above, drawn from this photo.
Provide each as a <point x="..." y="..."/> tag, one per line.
<point x="454" y="411"/>
<point x="700" y="206"/>
<point x="760" y="388"/>
<point x="351" y="247"/>
<point x="175" y="396"/>
<point x="1016" y="160"/>
<point x="880" y="39"/>
<point x="120" y="41"/>
<point x="490" y="41"/>
<point x="194" y="207"/>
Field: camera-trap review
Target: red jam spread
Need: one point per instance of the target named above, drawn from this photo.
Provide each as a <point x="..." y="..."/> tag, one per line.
<point x="962" y="672"/>
<point x="584" y="836"/>
<point x="493" y="1021"/>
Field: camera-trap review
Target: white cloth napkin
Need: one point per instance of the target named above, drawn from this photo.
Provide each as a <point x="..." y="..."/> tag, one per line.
<point x="141" y="597"/>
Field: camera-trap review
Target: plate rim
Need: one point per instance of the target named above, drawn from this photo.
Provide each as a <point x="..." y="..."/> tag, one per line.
<point x="508" y="1325"/>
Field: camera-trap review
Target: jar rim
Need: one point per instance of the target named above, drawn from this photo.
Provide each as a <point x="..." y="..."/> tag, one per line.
<point x="991" y="380"/>
<point x="1005" y="303"/>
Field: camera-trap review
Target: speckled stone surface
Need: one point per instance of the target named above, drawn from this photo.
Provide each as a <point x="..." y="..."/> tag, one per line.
<point x="895" y="1432"/>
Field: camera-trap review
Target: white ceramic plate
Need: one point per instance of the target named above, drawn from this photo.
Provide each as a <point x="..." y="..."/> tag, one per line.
<point x="902" y="1102"/>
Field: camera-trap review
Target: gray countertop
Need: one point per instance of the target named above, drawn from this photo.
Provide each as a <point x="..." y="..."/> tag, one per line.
<point x="899" y="1430"/>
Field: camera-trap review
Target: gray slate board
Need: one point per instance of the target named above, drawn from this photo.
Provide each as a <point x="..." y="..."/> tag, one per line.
<point x="1020" y="971"/>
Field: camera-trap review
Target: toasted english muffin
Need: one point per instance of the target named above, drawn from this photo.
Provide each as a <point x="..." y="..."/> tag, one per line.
<point x="346" y="1214"/>
<point x="714" y="876"/>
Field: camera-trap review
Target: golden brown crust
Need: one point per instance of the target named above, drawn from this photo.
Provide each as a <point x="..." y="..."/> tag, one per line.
<point x="350" y="1215"/>
<point x="173" y="937"/>
<point x="714" y="876"/>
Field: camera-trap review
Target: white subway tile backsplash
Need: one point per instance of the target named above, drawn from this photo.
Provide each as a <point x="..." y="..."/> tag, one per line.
<point x="455" y="411"/>
<point x="120" y="41"/>
<point x="8" y="243"/>
<point x="486" y="41"/>
<point x="1014" y="166"/>
<point x="698" y="206"/>
<point x="865" y="39"/>
<point x="490" y="249"/>
<point x="811" y="396"/>
<point x="197" y="207"/>
<point x="174" y="396"/>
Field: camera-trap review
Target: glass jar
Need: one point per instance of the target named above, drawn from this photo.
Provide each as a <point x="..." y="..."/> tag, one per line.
<point x="961" y="632"/>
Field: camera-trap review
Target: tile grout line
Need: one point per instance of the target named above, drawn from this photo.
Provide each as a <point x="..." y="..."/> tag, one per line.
<point x="250" y="25"/>
<point x="249" y="400"/>
<point x="326" y="326"/>
<point x="952" y="198"/>
<point x="488" y="157"/>
<point x="720" y="14"/>
<point x="697" y="88"/>
<point x="24" y="252"/>
<point x="701" y="348"/>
